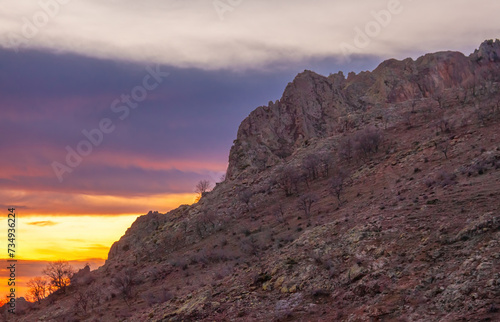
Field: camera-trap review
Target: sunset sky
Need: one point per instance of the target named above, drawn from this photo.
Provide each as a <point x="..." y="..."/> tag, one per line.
<point x="165" y="84"/>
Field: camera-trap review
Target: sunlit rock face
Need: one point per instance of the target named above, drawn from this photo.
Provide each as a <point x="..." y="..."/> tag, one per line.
<point x="315" y="106"/>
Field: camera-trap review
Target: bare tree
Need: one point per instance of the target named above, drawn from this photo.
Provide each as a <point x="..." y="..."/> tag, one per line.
<point x="386" y="118"/>
<point x="123" y="282"/>
<point x="346" y="148"/>
<point x="59" y="274"/>
<point x="413" y="106"/>
<point x="207" y="223"/>
<point x="469" y="86"/>
<point x="184" y="226"/>
<point x="368" y="141"/>
<point x="87" y="299"/>
<point x="326" y="161"/>
<point x="305" y="203"/>
<point x="288" y="178"/>
<point x="445" y="125"/>
<point x="481" y="114"/>
<point x="279" y="213"/>
<point x="443" y="147"/>
<point x="338" y="183"/>
<point x="408" y="119"/>
<point x="38" y="289"/>
<point x="440" y="99"/>
<point x="202" y="187"/>
<point x="428" y="111"/>
<point x="312" y="164"/>
<point x="497" y="108"/>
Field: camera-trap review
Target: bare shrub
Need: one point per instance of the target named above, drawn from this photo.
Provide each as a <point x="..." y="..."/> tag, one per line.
<point x="470" y="88"/>
<point x="245" y="196"/>
<point x="445" y="178"/>
<point x="184" y="226"/>
<point x="250" y="245"/>
<point x="224" y="271"/>
<point x="158" y="297"/>
<point x="348" y="122"/>
<point x="386" y="118"/>
<point x="320" y="292"/>
<point x="428" y="111"/>
<point x="223" y="242"/>
<point x="429" y="182"/>
<point x="207" y="256"/>
<point x="481" y="114"/>
<point x="182" y="263"/>
<point x="479" y="167"/>
<point x="208" y="223"/>
<point x="440" y="99"/>
<point x="254" y="244"/>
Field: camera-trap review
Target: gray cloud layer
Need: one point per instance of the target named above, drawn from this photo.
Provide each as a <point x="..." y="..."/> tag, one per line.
<point x="253" y="34"/>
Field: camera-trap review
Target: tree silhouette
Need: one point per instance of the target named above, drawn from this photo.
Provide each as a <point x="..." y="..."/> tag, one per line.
<point x="338" y="183"/>
<point x="38" y="289"/>
<point x="305" y="203"/>
<point x="59" y="274"/>
<point x="201" y="188"/>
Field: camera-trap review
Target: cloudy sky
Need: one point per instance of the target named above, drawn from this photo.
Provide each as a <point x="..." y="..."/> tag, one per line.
<point x="239" y="34"/>
<point x="149" y="94"/>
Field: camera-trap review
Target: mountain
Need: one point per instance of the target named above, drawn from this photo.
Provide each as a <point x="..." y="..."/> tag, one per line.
<point x="371" y="197"/>
<point x="314" y="106"/>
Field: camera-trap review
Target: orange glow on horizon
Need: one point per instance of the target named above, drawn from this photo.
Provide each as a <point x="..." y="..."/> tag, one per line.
<point x="78" y="229"/>
<point x="64" y="204"/>
<point x="51" y="238"/>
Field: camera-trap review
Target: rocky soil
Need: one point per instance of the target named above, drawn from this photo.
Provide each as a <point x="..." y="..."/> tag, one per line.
<point x="368" y="198"/>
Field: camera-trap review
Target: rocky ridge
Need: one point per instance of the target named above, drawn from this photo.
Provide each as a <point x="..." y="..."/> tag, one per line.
<point x="412" y="236"/>
<point x="315" y="106"/>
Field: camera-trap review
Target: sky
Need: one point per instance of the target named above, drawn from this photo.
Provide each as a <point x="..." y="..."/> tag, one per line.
<point x="112" y="108"/>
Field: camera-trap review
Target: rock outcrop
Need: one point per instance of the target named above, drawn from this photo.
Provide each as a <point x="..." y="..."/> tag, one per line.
<point x="315" y="106"/>
<point x="412" y="235"/>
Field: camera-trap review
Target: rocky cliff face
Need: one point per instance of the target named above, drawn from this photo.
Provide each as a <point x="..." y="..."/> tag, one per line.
<point x="413" y="233"/>
<point x="315" y="106"/>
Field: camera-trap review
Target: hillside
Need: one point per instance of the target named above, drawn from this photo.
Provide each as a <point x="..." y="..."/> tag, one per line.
<point x="371" y="197"/>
